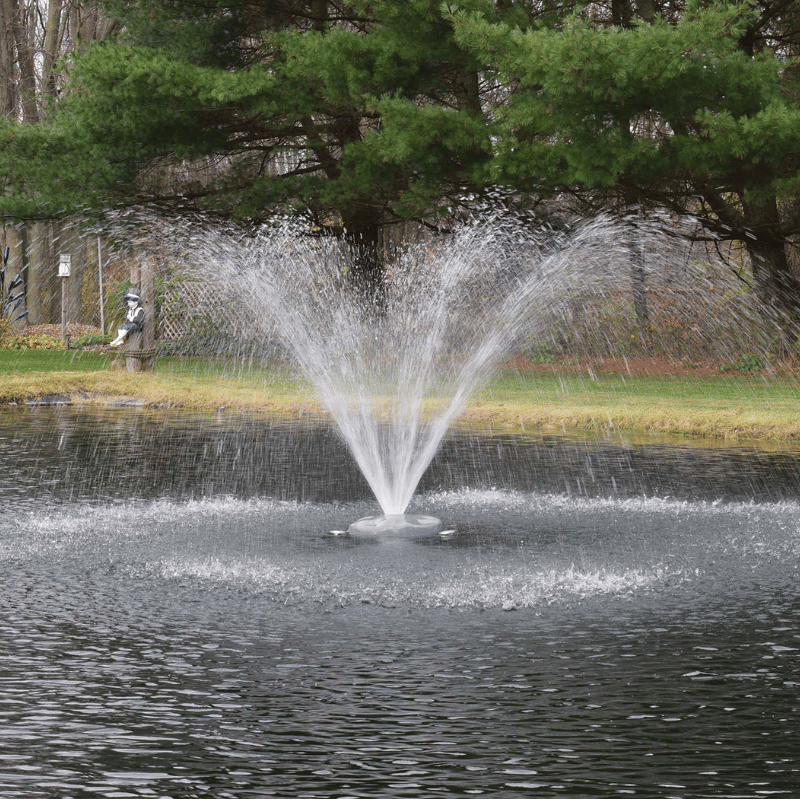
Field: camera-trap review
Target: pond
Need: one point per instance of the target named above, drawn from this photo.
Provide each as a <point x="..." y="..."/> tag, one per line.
<point x="610" y="618"/>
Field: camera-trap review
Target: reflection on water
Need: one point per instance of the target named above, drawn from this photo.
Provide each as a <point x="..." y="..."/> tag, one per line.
<point x="55" y="455"/>
<point x="609" y="619"/>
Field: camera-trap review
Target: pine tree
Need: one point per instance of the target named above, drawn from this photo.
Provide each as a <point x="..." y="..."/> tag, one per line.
<point x="693" y="109"/>
<point x="357" y="112"/>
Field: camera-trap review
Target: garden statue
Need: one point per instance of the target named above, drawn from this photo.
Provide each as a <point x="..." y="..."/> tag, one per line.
<point x="134" y="317"/>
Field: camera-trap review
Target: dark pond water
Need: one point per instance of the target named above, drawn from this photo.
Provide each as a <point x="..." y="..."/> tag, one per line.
<point x="610" y="619"/>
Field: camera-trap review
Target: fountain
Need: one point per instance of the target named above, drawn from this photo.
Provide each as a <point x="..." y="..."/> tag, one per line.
<point x="395" y="374"/>
<point x="616" y="616"/>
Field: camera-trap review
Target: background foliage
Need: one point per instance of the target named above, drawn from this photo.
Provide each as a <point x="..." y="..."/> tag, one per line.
<point x="363" y="115"/>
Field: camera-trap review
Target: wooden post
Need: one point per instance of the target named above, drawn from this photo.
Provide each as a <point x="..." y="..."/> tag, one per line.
<point x="141" y="345"/>
<point x="64" y="312"/>
<point x="63" y="271"/>
<point x="149" y="304"/>
<point x="100" y="282"/>
<point x="133" y="350"/>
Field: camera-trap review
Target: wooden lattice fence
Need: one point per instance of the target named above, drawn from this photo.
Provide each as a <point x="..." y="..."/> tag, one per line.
<point x="195" y="317"/>
<point x="188" y="306"/>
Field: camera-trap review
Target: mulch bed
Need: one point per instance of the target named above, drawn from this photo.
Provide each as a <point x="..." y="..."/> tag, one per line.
<point x="74" y="331"/>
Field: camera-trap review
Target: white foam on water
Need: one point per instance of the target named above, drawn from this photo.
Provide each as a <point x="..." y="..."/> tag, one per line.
<point x="41" y="533"/>
<point x="457" y="584"/>
<point x="524" y="587"/>
<point x="509" y="499"/>
<point x="511" y="549"/>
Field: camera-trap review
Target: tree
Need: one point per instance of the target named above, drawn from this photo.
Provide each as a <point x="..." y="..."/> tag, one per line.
<point x="693" y="109"/>
<point x="359" y="113"/>
<point x="34" y="36"/>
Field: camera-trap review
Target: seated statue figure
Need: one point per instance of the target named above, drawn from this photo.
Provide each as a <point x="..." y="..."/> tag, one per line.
<point x="134" y="317"/>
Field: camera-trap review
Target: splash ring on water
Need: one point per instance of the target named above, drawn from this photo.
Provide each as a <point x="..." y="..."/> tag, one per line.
<point x="396" y="525"/>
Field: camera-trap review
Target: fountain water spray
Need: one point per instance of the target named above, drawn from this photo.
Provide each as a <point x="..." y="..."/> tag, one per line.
<point x="394" y="375"/>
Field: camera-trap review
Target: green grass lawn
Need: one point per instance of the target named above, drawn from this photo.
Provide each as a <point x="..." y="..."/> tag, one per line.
<point x="719" y="406"/>
<point x="27" y="361"/>
<point x="192" y="383"/>
<point x="725" y="406"/>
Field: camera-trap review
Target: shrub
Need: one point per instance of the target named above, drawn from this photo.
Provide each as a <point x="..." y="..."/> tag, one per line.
<point x="92" y="339"/>
<point x="746" y="363"/>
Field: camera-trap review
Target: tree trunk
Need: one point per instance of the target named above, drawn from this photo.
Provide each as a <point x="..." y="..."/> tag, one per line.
<point x="23" y="36"/>
<point x="8" y="81"/>
<point x="52" y="37"/>
<point x="319" y="15"/>
<point x="776" y="285"/>
<point x="363" y="236"/>
<point x="646" y="10"/>
<point x="621" y="13"/>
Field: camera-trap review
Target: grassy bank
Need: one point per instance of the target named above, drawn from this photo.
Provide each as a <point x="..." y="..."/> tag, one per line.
<point x="728" y="407"/>
<point x="193" y="384"/>
<point x="733" y="407"/>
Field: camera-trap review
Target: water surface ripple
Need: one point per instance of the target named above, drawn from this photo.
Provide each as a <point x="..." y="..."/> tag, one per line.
<point x="160" y="638"/>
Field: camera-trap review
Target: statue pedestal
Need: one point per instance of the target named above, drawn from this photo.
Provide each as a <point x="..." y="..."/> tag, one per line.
<point x="137" y="358"/>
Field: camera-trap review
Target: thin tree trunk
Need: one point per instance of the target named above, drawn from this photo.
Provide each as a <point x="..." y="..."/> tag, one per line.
<point x="52" y="42"/>
<point x="8" y="74"/>
<point x="23" y="36"/>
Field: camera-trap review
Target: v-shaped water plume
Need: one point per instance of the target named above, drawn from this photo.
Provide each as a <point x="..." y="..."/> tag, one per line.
<point x="395" y="374"/>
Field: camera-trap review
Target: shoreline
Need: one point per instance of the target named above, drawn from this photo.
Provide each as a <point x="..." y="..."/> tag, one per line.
<point x="726" y="428"/>
<point x="712" y="407"/>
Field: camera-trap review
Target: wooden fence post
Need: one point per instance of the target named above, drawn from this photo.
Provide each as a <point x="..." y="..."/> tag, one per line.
<point x="140" y="352"/>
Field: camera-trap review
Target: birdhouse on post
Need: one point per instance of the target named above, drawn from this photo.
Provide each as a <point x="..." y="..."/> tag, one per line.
<point x="64" y="265"/>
